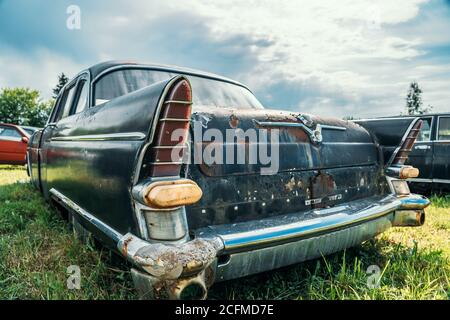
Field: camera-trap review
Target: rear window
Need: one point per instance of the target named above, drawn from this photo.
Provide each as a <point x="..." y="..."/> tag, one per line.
<point x="206" y="92"/>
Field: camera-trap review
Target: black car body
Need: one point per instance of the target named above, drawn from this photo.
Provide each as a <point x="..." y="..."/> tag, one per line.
<point x="430" y="154"/>
<point x="106" y="156"/>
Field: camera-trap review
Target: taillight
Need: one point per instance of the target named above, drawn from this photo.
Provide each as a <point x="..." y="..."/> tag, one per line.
<point x="407" y="145"/>
<point x="409" y="172"/>
<point x="171" y="131"/>
<point x="171" y="193"/>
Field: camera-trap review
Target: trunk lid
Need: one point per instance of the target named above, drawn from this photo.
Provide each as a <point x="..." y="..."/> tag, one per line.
<point x="315" y="162"/>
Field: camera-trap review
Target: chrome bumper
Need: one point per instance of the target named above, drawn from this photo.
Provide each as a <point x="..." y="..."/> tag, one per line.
<point x="256" y="246"/>
<point x="230" y="251"/>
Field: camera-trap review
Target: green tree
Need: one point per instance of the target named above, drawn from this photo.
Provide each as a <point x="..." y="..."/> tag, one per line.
<point x="62" y="80"/>
<point x="414" y="103"/>
<point x="23" y="106"/>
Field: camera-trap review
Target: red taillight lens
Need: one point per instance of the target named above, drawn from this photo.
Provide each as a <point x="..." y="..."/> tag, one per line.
<point x="172" y="131"/>
<point x="408" y="144"/>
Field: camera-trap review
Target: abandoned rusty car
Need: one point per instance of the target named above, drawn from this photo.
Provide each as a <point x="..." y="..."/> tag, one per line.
<point x="192" y="180"/>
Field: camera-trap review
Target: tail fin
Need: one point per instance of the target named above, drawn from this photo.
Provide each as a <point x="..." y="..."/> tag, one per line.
<point x="396" y="136"/>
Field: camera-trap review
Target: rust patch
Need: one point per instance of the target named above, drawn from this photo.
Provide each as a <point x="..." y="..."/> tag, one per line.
<point x="322" y="185"/>
<point x="233" y="121"/>
<point x="125" y="245"/>
<point x="170" y="262"/>
<point x="298" y="135"/>
<point x="290" y="185"/>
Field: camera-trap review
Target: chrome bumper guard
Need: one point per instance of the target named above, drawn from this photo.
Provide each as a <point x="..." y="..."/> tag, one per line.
<point x="250" y="245"/>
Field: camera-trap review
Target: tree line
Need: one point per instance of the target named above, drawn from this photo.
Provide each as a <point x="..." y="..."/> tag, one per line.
<point x="24" y="106"/>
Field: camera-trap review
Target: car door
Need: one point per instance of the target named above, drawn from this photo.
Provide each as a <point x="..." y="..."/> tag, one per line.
<point x="51" y="151"/>
<point x="441" y="163"/>
<point x="421" y="156"/>
<point x="13" y="145"/>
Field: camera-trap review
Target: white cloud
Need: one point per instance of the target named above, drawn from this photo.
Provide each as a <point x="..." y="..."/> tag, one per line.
<point x="38" y="71"/>
<point x="329" y="43"/>
<point x="328" y="57"/>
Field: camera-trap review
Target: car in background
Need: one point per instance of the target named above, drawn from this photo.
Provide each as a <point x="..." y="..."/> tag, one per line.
<point x="431" y="151"/>
<point x="29" y="130"/>
<point x="13" y="144"/>
<point x="431" y="155"/>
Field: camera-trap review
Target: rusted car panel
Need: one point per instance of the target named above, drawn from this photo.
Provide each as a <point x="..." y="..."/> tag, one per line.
<point x="116" y="158"/>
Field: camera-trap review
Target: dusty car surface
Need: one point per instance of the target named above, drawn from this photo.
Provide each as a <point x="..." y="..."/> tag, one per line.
<point x="431" y="151"/>
<point x="13" y="144"/>
<point x="186" y="175"/>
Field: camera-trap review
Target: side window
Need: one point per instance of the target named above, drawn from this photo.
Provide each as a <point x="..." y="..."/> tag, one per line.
<point x="8" y="133"/>
<point x="65" y="104"/>
<point x="122" y="82"/>
<point x="444" y="128"/>
<point x="82" y="99"/>
<point x="425" y="132"/>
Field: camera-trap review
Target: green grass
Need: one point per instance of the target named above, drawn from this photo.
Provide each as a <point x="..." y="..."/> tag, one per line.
<point x="36" y="247"/>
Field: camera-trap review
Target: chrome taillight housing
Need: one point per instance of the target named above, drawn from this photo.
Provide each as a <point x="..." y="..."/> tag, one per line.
<point x="401" y="154"/>
<point x="172" y="130"/>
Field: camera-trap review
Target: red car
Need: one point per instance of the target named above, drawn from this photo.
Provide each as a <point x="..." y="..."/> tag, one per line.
<point x="13" y="144"/>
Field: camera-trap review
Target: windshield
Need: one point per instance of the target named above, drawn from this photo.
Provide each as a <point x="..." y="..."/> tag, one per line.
<point x="206" y="92"/>
<point x="30" y="131"/>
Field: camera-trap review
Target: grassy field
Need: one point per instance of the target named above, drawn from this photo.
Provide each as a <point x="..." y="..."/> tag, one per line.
<point x="36" y="247"/>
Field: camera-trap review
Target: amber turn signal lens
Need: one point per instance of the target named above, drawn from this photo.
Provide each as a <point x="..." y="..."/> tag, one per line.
<point x="170" y="194"/>
<point x="409" y="172"/>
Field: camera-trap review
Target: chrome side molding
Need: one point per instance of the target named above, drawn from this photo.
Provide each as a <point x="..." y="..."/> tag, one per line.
<point x="103" y="137"/>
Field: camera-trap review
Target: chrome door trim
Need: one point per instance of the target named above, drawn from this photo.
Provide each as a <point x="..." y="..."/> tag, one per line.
<point x="103" y="137"/>
<point x="429" y="180"/>
<point x="420" y="180"/>
<point x="441" y="180"/>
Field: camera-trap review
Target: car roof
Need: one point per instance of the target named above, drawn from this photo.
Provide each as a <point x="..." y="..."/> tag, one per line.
<point x="103" y="67"/>
<point x="419" y="115"/>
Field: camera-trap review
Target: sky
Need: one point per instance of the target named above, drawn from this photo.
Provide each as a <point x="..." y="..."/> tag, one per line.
<point x="335" y="58"/>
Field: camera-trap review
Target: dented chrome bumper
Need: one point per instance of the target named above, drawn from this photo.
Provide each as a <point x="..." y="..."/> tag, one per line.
<point x="256" y="246"/>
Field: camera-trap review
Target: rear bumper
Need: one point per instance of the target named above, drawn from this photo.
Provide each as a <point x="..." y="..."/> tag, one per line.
<point x="256" y="246"/>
